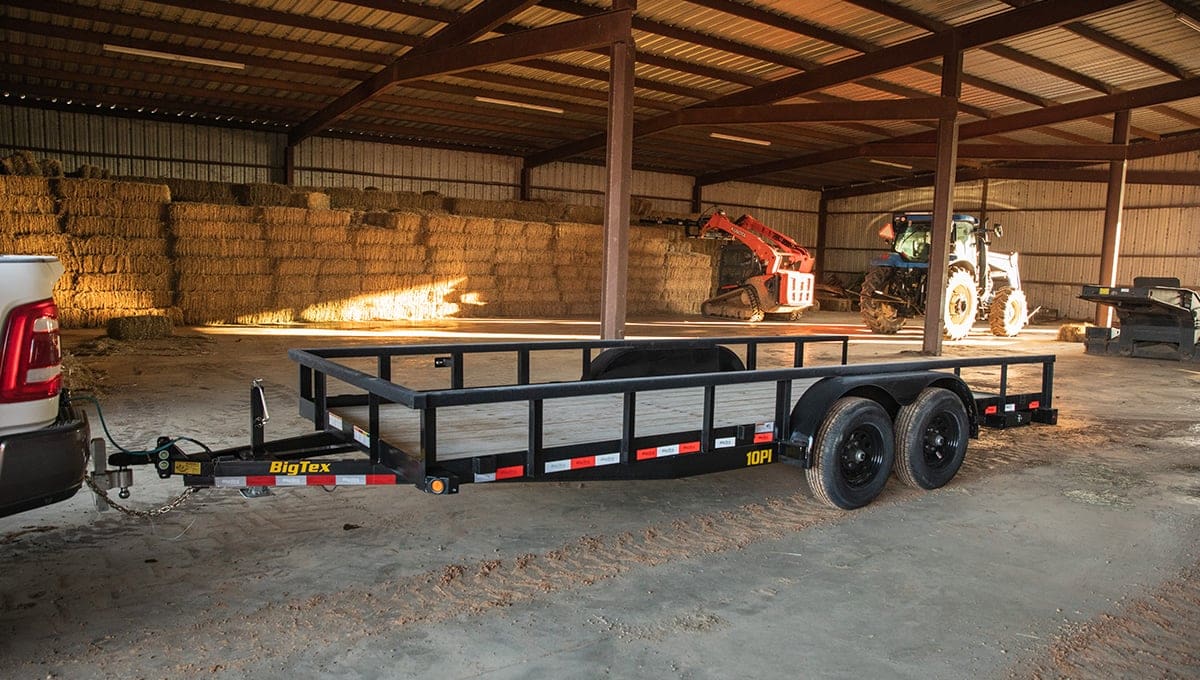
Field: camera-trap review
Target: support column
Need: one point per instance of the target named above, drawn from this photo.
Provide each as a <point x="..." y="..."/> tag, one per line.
<point x="1114" y="206"/>
<point x="697" y="197"/>
<point x="819" y="247"/>
<point x="618" y="163"/>
<point x="289" y="165"/>
<point x="526" y="189"/>
<point x="943" y="205"/>
<point x="983" y="202"/>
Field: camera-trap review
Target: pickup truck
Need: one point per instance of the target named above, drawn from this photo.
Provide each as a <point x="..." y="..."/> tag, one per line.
<point x="43" y="439"/>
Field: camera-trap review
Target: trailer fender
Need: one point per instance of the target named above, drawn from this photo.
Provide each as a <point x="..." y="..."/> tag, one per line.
<point x="890" y="391"/>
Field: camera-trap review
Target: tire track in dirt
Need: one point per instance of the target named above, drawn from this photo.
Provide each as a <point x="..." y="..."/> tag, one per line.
<point x="1155" y="636"/>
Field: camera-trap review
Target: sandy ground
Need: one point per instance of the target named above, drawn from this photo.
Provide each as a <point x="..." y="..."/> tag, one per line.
<point x="1068" y="551"/>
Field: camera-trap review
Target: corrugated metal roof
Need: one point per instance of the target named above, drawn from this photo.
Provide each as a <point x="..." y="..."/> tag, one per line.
<point x="299" y="56"/>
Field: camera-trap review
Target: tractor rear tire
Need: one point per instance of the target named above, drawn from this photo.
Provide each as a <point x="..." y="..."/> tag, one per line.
<point x="931" y="439"/>
<point x="881" y="317"/>
<point x="854" y="452"/>
<point x="1008" y="313"/>
<point x="960" y="306"/>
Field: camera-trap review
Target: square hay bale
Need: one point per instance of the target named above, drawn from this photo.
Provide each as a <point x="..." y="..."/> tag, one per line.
<point x="97" y="283"/>
<point x="346" y="267"/>
<point x="210" y="229"/>
<point x="21" y="163"/>
<point x="122" y="299"/>
<point x="304" y="266"/>
<point x="224" y="266"/>
<point x="338" y="285"/>
<point x="213" y="247"/>
<point x="438" y="223"/>
<point x="295" y="284"/>
<point x="283" y="216"/>
<point x="34" y="244"/>
<point x="324" y="251"/>
<point x="105" y="207"/>
<point x="209" y="212"/>
<point x="141" y="327"/>
<point x="12" y="223"/>
<point x="477" y="207"/>
<point x="345" y="198"/>
<point x="12" y="185"/>
<point x="400" y="221"/>
<point x="247" y="283"/>
<point x="118" y="245"/>
<point x="432" y="200"/>
<point x="120" y="264"/>
<point x="111" y="190"/>
<point x="262" y="194"/>
<point x="87" y="225"/>
<point x="311" y="200"/>
<point x="29" y="204"/>
<point x="586" y="214"/>
<point x="540" y="233"/>
<point x="329" y="218"/>
<point x="201" y="191"/>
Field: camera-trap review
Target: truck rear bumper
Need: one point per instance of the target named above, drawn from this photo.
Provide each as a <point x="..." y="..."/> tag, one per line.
<point x="43" y="466"/>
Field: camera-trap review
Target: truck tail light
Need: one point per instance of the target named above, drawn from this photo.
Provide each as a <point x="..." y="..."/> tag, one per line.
<point x="31" y="356"/>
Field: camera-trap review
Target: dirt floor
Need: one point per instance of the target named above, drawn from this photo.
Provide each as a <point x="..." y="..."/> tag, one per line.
<point x="1064" y="551"/>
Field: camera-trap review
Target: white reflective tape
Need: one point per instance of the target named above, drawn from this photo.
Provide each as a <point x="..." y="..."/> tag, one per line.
<point x="350" y="480"/>
<point x="335" y="421"/>
<point x="229" y="482"/>
<point x="361" y="436"/>
<point x="725" y="442"/>
<point x="290" y="480"/>
<point x="558" y="465"/>
<point x="1010" y="407"/>
<point x="485" y="477"/>
<point x="608" y="459"/>
<point x="760" y="428"/>
<point x="672" y="450"/>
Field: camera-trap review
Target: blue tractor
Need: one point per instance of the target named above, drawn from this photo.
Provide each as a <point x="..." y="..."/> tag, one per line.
<point x="979" y="284"/>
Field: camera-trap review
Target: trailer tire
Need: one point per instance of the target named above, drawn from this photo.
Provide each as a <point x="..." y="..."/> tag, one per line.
<point x="853" y="452"/>
<point x="1008" y="312"/>
<point x="931" y="438"/>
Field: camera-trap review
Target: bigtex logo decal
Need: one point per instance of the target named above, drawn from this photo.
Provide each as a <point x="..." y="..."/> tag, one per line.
<point x="304" y="467"/>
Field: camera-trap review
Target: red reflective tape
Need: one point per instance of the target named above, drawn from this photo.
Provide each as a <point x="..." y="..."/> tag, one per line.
<point x="690" y="447"/>
<point x="381" y="479"/>
<point x="1035" y="403"/>
<point x="260" y="480"/>
<point x="643" y="454"/>
<point x="989" y="410"/>
<point x="763" y="437"/>
<point x="510" y="472"/>
<point x="584" y="462"/>
<point x="322" y="480"/>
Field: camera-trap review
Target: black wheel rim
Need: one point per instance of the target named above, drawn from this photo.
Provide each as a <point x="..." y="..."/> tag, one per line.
<point x="941" y="441"/>
<point x="861" y="456"/>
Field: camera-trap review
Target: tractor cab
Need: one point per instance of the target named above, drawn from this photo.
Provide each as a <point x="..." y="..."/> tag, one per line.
<point x="909" y="235"/>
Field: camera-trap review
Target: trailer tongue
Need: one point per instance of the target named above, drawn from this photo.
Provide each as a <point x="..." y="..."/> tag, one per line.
<point x="640" y="410"/>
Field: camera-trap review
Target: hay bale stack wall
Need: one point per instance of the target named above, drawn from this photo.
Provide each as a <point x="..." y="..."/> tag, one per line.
<point x="129" y="251"/>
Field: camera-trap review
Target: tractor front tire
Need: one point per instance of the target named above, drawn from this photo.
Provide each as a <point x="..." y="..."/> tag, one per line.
<point x="1008" y="313"/>
<point x="960" y="305"/>
<point x="881" y="317"/>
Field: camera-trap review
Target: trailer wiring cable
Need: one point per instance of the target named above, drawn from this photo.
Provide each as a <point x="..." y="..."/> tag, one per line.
<point x="89" y="479"/>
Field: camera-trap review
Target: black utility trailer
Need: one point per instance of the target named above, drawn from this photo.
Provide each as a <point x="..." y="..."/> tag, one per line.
<point x="648" y="409"/>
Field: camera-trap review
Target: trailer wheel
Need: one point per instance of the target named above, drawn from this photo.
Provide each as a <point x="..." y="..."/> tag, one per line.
<point x="853" y="453"/>
<point x="931" y="439"/>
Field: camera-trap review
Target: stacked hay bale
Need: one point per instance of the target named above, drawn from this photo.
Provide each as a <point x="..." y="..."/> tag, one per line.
<point x="373" y="200"/>
<point x="225" y="273"/>
<point x="28" y="218"/>
<point x="316" y="270"/>
<point x="394" y="265"/>
<point x="116" y="250"/>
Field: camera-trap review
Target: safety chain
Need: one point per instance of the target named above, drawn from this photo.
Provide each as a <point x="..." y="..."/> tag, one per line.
<point x="179" y="500"/>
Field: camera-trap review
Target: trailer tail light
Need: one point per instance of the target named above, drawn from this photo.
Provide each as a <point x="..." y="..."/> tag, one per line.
<point x="31" y="359"/>
<point x="1035" y="404"/>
